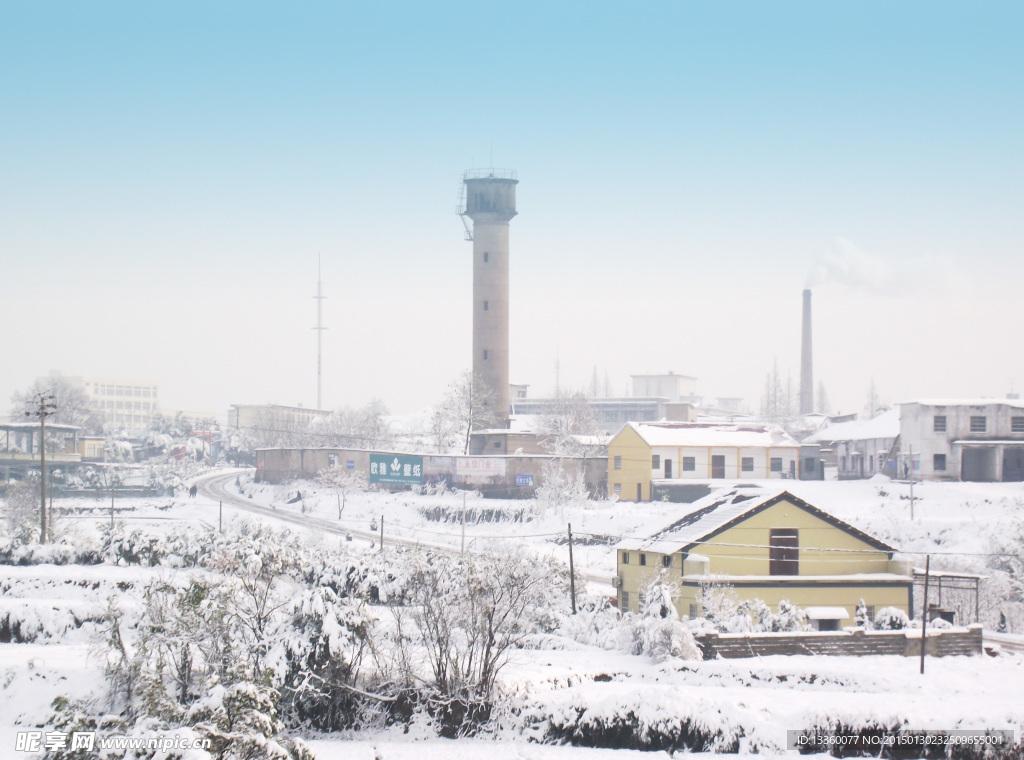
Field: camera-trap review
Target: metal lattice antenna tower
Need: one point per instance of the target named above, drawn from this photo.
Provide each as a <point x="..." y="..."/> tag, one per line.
<point x="319" y="298"/>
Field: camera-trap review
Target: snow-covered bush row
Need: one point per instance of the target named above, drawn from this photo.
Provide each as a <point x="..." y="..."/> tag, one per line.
<point x="656" y="631"/>
<point x="15" y="551"/>
<point x="32" y="620"/>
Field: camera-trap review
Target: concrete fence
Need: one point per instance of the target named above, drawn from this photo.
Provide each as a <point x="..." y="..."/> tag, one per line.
<point x="857" y="643"/>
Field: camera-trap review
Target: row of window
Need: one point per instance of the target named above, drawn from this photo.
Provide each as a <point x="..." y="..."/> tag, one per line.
<point x="139" y="391"/>
<point x="138" y="405"/>
<point x="979" y="424"/>
<point x="690" y="463"/>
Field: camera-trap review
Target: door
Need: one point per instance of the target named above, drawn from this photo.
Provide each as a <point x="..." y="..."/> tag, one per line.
<point x="1013" y="464"/>
<point x="718" y="466"/>
<point x="783" y="551"/>
<point x="668" y="468"/>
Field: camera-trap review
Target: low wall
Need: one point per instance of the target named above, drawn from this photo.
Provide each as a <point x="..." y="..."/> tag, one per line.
<point x="858" y="643"/>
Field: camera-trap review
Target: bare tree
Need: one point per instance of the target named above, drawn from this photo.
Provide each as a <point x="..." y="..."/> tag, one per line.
<point x="469" y="405"/>
<point x="362" y="428"/>
<point x="72" y="404"/>
<point x="569" y="417"/>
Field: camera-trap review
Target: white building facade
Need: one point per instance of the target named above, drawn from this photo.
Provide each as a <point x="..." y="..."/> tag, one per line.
<point x="963" y="439"/>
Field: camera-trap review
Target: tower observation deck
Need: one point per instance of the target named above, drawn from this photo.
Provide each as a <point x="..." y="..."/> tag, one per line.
<point x="489" y="199"/>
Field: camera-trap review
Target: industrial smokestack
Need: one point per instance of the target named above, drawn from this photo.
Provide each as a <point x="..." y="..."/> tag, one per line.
<point x="806" y="362"/>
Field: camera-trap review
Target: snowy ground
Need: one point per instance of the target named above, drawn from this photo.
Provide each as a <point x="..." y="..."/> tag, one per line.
<point x="760" y="698"/>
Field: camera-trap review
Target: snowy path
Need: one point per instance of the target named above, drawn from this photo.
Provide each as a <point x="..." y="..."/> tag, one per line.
<point x="214" y="487"/>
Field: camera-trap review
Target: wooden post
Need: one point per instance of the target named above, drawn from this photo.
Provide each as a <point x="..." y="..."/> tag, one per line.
<point x="924" y="608"/>
<point x="463" y="551"/>
<point x="572" y="573"/>
<point x="382" y="533"/>
<point x="111" y="509"/>
<point x="220" y="517"/>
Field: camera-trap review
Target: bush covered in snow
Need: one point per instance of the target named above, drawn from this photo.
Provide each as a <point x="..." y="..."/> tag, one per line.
<point x="891" y="619"/>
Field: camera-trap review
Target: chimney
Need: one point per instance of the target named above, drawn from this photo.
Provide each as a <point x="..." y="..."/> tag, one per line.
<point x="806" y="362"/>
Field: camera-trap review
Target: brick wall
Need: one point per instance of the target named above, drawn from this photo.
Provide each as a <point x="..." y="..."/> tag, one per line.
<point x="859" y="643"/>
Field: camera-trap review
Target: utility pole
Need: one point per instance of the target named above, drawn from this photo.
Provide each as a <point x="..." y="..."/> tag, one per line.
<point x="45" y="405"/>
<point x="910" y="477"/>
<point x="463" y="550"/>
<point x="319" y="298"/>
<point x="382" y="534"/>
<point x="572" y="573"/>
<point x="924" y="608"/>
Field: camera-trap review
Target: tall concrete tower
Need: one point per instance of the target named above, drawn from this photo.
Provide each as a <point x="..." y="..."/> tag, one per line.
<point x="489" y="199"/>
<point x="806" y="362"/>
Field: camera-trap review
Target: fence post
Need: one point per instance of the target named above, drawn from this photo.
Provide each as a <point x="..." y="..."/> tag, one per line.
<point x="572" y="573"/>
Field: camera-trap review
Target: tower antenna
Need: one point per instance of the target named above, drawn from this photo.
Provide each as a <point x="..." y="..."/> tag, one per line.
<point x="319" y="298"/>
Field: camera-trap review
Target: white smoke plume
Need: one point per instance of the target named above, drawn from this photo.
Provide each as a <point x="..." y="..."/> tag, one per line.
<point x="846" y="264"/>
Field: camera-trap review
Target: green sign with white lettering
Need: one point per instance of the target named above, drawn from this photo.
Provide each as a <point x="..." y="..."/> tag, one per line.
<point x="396" y="469"/>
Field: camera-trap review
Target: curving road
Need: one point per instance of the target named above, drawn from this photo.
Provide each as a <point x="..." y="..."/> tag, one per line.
<point x="214" y="487"/>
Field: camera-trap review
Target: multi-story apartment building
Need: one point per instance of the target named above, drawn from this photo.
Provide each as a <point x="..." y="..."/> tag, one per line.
<point x="127" y="404"/>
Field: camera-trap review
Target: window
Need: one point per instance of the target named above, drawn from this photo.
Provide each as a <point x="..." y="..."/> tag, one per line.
<point x="497" y="444"/>
<point x="625" y="558"/>
<point x="485" y="354"/>
<point x="871" y="611"/>
<point x="643" y="559"/>
<point x="666" y="561"/>
<point x="618" y="463"/>
<point x="939" y="462"/>
<point x="625" y="601"/>
<point x="979" y="424"/>
<point x="694" y="614"/>
<point x="1017" y="425"/>
<point x="486" y="305"/>
<point x="656" y="462"/>
<point x="617" y="489"/>
<point x="939" y="423"/>
<point x="747" y="464"/>
<point x="776" y="464"/>
<point x="486" y="256"/>
<point x="783" y="551"/>
<point x="689" y="464"/>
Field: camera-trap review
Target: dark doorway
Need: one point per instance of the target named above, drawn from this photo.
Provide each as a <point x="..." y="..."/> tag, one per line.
<point x="718" y="466"/>
<point x="1013" y="464"/>
<point x="783" y="551"/>
<point x="668" y="468"/>
<point x="978" y="464"/>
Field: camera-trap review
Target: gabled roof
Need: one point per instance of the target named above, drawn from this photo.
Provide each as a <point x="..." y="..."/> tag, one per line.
<point x="703" y="434"/>
<point x="885" y="425"/>
<point x="717" y="512"/>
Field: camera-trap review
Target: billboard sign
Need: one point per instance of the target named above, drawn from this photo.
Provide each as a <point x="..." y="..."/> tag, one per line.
<point x="396" y="469"/>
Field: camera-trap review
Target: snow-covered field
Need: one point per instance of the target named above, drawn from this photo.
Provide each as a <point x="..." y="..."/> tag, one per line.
<point x="559" y="682"/>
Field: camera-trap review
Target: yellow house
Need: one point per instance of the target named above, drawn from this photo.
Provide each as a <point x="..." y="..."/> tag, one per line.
<point x="767" y="545"/>
<point x="644" y="452"/>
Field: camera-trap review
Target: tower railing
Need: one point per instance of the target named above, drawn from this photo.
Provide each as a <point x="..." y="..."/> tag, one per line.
<point x="491" y="173"/>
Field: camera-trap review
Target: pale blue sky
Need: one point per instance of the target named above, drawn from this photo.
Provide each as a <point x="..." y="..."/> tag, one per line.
<point x="169" y="173"/>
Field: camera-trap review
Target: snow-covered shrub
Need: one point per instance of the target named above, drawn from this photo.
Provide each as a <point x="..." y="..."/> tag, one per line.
<point x="891" y="619"/>
<point x="657" y="630"/>
<point x="860" y="617"/>
<point x="21" y="509"/>
<point x="718" y="602"/>
<point x="788" y="618"/>
<point x="469" y="611"/>
<point x="318" y="656"/>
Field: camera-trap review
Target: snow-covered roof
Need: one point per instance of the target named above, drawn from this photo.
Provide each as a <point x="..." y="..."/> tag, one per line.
<point x="712" y="435"/>
<point x="720" y="509"/>
<point x="826" y="613"/>
<point x="885" y="425"/>
<point x="1013" y="402"/>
